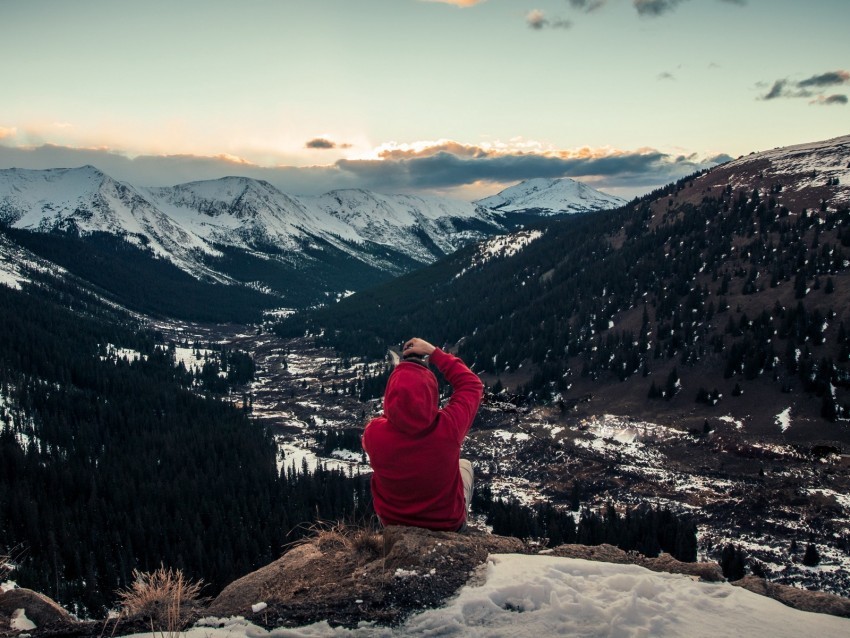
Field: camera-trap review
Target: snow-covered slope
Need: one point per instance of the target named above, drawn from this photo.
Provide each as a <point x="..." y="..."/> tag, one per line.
<point x="415" y="225"/>
<point x="244" y="212"/>
<point x="802" y="167"/>
<point x="551" y="196"/>
<point x="14" y="264"/>
<point x="86" y="200"/>
<point x="543" y="597"/>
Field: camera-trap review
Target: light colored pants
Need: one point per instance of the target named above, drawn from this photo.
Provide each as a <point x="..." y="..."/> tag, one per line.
<point x="466" y="474"/>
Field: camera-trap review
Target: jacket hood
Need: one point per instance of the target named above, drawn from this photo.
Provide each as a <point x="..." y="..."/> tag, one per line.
<point x="411" y="399"/>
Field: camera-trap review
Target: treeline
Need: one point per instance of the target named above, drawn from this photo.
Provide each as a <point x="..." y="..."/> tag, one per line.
<point x="645" y="529"/>
<point x="112" y="465"/>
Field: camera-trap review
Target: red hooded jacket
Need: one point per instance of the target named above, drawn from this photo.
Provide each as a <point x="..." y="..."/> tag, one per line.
<point x="414" y="449"/>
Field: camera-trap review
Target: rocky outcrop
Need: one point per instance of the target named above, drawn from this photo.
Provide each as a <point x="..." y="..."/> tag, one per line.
<point x="346" y="577"/>
<point x="709" y="572"/>
<point x="802" y="599"/>
<point x="38" y="608"/>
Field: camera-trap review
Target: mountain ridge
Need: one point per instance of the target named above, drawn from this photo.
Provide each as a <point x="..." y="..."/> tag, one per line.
<point x="239" y="231"/>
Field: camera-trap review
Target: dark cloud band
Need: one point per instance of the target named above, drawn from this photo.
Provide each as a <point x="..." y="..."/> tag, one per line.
<point x="426" y="169"/>
<point x="445" y="170"/>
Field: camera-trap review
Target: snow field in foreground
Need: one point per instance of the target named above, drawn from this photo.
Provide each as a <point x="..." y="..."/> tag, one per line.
<point x="543" y="596"/>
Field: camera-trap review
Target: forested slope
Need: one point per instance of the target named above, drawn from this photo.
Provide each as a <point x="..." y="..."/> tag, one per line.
<point x="731" y="276"/>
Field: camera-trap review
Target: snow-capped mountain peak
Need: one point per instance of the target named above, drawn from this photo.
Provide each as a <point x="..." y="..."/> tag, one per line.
<point x="551" y="196"/>
<point x="400" y="220"/>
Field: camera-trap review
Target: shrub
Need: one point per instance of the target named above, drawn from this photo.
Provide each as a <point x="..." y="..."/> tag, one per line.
<point x="361" y="540"/>
<point x="165" y="598"/>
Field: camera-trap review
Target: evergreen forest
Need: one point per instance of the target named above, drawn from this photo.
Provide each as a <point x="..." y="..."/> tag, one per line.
<point x="109" y="464"/>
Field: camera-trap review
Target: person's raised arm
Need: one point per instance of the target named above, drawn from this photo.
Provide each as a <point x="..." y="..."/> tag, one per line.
<point x="467" y="388"/>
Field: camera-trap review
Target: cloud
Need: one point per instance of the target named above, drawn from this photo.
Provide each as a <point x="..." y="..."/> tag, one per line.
<point x="825" y="100"/>
<point x="427" y="149"/>
<point x="777" y="90"/>
<point x="809" y="87"/>
<point x="666" y="75"/>
<point x="537" y="20"/>
<point x="655" y="8"/>
<point x="323" y="143"/>
<point x="320" y="142"/>
<point x="445" y="166"/>
<point x="458" y="3"/>
<point x="722" y="158"/>
<point x="830" y="78"/>
<point x="437" y="168"/>
<point x="168" y="170"/>
<point x="588" y="6"/>
<point x="7" y="132"/>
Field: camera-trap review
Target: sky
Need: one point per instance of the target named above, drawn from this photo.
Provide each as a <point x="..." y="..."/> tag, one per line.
<point x="450" y="97"/>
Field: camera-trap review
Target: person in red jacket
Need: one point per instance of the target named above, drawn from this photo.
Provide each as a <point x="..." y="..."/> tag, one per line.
<point x="418" y="476"/>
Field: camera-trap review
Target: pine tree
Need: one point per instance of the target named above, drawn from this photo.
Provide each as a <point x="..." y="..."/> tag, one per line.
<point x="812" y="557"/>
<point x="733" y="562"/>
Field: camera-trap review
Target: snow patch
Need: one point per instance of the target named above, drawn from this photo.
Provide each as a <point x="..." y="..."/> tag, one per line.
<point x="732" y="420"/>
<point x="783" y="419"/>
<point x="546" y="596"/>
<point x="501" y="247"/>
<point x="20" y="622"/>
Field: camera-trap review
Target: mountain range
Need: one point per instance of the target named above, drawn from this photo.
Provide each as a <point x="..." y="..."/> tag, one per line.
<point x="284" y="250"/>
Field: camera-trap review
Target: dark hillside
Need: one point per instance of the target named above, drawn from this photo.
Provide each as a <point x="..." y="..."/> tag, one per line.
<point x="732" y="282"/>
<point x="113" y="458"/>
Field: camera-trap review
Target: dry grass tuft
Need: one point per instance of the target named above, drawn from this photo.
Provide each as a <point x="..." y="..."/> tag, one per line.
<point x="166" y="598"/>
<point x="5" y="566"/>
<point x="361" y="541"/>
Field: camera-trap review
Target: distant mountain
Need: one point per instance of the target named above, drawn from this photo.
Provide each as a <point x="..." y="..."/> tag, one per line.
<point x="233" y="231"/>
<point x="735" y="280"/>
<point x="84" y="201"/>
<point x="550" y="197"/>
<point x="252" y="214"/>
<point x="239" y="212"/>
<point x="421" y="227"/>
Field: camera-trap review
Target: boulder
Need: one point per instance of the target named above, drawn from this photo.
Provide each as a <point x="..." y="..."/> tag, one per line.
<point x="802" y="599"/>
<point x="40" y="609"/>
<point x="346" y="577"/>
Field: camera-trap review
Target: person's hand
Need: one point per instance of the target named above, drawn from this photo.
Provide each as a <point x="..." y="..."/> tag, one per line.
<point x="417" y="347"/>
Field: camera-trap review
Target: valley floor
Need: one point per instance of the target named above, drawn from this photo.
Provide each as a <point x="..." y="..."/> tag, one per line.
<point x="768" y="496"/>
